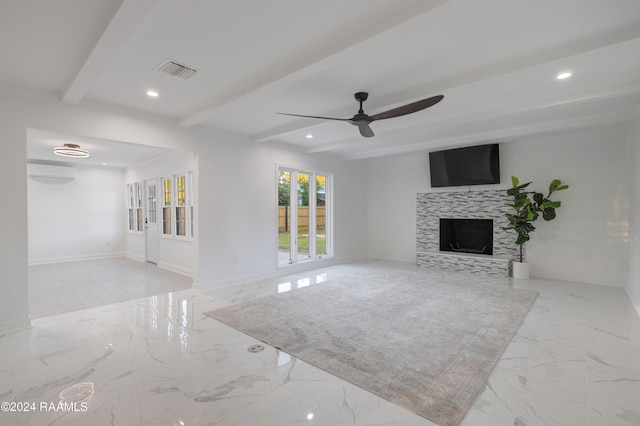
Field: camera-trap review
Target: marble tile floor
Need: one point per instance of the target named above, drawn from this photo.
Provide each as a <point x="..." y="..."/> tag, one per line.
<point x="72" y="286"/>
<point x="159" y="361"/>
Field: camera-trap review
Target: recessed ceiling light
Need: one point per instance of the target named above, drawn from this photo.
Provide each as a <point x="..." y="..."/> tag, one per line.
<point x="563" y="75"/>
<point x="104" y="164"/>
<point x="309" y="136"/>
<point x="152" y="93"/>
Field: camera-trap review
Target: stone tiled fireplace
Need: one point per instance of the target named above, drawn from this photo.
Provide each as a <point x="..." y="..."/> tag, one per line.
<point x="488" y="205"/>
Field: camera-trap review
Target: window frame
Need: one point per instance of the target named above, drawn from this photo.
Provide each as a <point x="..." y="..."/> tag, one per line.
<point x="312" y="206"/>
<point x="180" y="195"/>
<point x="135" y="220"/>
<point x="167" y="206"/>
<point x="173" y="204"/>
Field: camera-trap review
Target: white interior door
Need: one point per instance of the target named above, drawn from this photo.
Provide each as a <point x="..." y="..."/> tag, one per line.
<point x="151" y="223"/>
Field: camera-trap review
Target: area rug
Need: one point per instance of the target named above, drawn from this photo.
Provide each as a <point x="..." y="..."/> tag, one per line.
<point x="426" y="341"/>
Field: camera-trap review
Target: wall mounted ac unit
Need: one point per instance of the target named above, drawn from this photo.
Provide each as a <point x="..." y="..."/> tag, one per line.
<point x="50" y="172"/>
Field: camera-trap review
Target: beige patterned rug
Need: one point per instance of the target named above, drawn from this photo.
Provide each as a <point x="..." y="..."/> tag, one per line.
<point x="426" y="341"/>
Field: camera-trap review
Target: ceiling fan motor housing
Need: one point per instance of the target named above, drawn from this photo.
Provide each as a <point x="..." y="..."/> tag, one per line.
<point x="361" y="96"/>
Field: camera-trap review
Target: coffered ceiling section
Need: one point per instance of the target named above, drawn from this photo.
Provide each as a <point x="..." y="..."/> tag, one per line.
<point x="495" y="61"/>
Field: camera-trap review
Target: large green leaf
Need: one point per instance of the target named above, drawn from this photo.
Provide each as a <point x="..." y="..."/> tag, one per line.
<point x="538" y="198"/>
<point x="524" y="185"/>
<point x="556" y="185"/>
<point x="552" y="204"/>
<point x="549" y="214"/>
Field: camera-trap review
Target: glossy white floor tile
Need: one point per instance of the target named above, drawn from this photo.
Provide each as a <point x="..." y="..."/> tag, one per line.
<point x="72" y="286"/>
<point x="159" y="361"/>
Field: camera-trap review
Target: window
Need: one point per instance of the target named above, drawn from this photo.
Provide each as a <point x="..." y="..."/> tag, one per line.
<point x="166" y="206"/>
<point x="177" y="206"/>
<point x="134" y="207"/>
<point x="139" y="219"/>
<point x="151" y="203"/>
<point x="190" y="215"/>
<point x="304" y="215"/>
<point x="181" y="208"/>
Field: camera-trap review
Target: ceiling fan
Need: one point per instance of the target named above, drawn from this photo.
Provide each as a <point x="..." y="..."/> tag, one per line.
<point x="362" y="120"/>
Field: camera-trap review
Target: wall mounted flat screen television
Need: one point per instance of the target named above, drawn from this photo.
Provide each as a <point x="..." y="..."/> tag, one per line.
<point x="474" y="165"/>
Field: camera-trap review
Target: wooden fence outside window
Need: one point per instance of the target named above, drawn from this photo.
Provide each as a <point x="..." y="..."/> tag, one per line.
<point x="303" y="217"/>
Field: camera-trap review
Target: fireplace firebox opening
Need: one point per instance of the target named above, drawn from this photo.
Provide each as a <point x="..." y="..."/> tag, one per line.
<point x="467" y="235"/>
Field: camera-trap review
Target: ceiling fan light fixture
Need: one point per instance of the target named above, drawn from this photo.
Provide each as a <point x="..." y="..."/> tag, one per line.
<point x="362" y="120"/>
<point x="71" y="150"/>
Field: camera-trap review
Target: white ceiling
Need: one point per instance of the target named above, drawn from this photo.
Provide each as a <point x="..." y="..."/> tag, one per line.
<point x="104" y="153"/>
<point x="495" y="61"/>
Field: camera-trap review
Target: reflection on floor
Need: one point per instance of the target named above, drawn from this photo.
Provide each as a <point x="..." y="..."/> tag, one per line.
<point x="159" y="361"/>
<point x="72" y="286"/>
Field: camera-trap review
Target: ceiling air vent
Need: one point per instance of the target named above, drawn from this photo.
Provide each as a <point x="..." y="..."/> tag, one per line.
<point x="176" y="69"/>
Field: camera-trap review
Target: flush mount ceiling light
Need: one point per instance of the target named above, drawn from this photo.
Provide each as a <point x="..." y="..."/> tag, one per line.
<point x="309" y="136"/>
<point x="71" y="150"/>
<point x="152" y="94"/>
<point x="563" y="75"/>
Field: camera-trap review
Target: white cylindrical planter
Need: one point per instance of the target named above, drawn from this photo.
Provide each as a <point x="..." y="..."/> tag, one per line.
<point x="520" y="270"/>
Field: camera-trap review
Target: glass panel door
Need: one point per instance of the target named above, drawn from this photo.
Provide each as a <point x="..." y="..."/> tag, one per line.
<point x="284" y="217"/>
<point x="304" y="252"/>
<point x="151" y="203"/>
<point x="321" y="215"/>
<point x="304" y="216"/>
<point x="151" y="226"/>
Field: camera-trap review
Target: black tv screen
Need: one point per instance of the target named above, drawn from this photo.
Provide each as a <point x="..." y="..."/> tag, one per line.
<point x="474" y="165"/>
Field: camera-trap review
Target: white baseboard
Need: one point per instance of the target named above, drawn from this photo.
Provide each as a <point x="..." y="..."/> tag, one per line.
<point x="175" y="268"/>
<point x="136" y="257"/>
<point x="280" y="271"/>
<point x="93" y="256"/>
<point x="15" y="325"/>
<point x="635" y="303"/>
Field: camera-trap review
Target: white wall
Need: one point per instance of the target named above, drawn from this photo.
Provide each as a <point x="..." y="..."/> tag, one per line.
<point x="78" y="219"/>
<point x="14" y="310"/>
<point x="236" y="190"/>
<point x="240" y="196"/>
<point x="633" y="285"/>
<point x="586" y="243"/>
<point x="393" y="183"/>
<point x="173" y="254"/>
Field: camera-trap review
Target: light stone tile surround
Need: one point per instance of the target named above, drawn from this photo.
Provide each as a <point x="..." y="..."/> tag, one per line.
<point x="492" y="204"/>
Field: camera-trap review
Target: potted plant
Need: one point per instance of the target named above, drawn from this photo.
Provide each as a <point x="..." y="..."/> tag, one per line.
<point x="528" y="206"/>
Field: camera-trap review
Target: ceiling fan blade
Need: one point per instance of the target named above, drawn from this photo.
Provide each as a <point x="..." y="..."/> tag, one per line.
<point x="315" y="116"/>
<point x="366" y="131"/>
<point x="407" y="109"/>
<point x="362" y="120"/>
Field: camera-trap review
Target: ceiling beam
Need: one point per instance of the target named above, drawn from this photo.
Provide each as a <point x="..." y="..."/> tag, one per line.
<point x="502" y="135"/>
<point x="630" y="92"/>
<point x="471" y="77"/>
<point x="125" y="21"/>
<point x="308" y="62"/>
